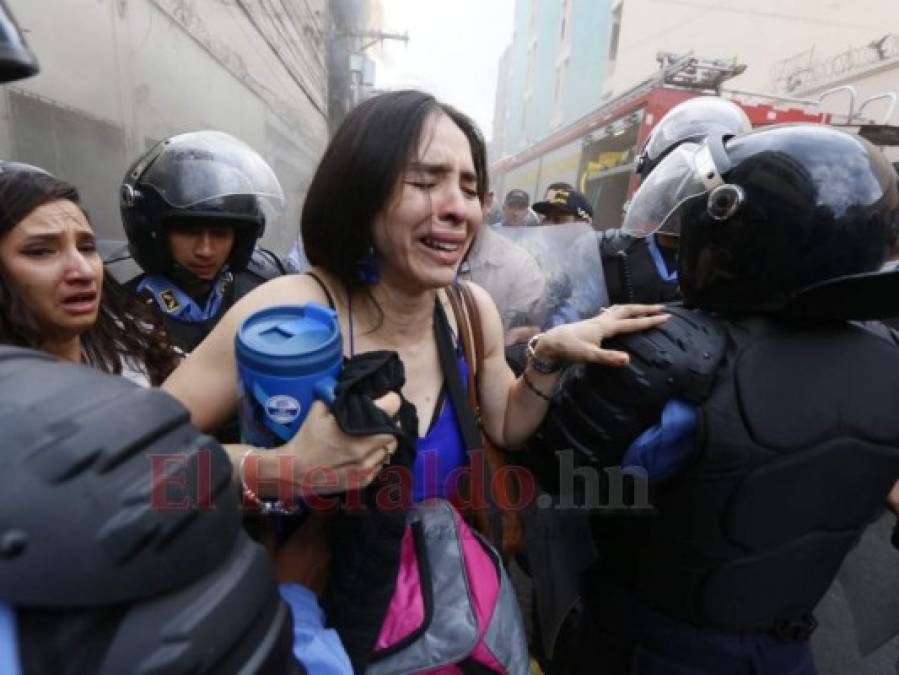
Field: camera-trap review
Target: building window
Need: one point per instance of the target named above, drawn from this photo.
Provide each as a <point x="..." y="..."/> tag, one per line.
<point x="559" y="93"/>
<point x="614" y="35"/>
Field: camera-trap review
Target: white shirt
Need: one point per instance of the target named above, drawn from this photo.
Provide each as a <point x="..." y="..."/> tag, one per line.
<point x="507" y="272"/>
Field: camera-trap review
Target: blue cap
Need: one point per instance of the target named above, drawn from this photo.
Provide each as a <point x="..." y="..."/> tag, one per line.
<point x="290" y="340"/>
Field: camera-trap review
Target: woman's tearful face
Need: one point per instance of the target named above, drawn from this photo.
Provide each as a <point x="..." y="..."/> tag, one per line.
<point x="425" y="231"/>
<point x="50" y="260"/>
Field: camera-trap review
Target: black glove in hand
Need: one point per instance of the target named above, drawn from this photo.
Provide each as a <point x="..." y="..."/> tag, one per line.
<point x="366" y="542"/>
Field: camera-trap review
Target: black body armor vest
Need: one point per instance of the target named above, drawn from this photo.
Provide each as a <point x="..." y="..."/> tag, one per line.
<point x="798" y="448"/>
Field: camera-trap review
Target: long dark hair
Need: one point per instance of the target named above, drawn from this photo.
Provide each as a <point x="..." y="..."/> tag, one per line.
<point x="360" y="170"/>
<point x="125" y="330"/>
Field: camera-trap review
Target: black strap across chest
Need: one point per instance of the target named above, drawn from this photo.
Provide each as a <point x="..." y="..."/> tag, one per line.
<point x="447" y="355"/>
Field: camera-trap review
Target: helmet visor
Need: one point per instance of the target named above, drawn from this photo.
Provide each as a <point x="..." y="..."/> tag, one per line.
<point x="197" y="167"/>
<point x="654" y="205"/>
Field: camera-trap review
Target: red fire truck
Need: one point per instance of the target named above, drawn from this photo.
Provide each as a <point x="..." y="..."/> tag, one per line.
<point x="596" y="153"/>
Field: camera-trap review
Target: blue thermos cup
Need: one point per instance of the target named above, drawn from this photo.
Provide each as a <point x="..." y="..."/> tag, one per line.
<point x="287" y="357"/>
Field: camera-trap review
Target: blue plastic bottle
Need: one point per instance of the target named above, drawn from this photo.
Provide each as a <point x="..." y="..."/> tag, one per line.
<point x="287" y="357"/>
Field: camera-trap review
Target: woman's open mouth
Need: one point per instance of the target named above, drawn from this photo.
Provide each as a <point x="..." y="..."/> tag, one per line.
<point x="84" y="302"/>
<point x="446" y="251"/>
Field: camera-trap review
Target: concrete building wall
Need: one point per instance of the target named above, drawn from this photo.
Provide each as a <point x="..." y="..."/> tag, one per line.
<point x="865" y="72"/>
<point x="760" y="34"/>
<point x="501" y="111"/>
<point x="135" y="71"/>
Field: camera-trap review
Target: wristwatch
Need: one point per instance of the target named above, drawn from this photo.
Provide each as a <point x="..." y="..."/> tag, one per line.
<point x="542" y="366"/>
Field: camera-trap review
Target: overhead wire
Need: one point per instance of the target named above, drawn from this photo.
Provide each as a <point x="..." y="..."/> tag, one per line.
<point x="303" y="130"/>
<point x="250" y="41"/>
<point x="299" y="82"/>
<point x="292" y="10"/>
<point x="292" y="39"/>
<point x="291" y="42"/>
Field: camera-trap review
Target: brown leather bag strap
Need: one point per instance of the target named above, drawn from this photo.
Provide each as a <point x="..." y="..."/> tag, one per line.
<point x="507" y="533"/>
<point x="474" y="317"/>
<point x="464" y="326"/>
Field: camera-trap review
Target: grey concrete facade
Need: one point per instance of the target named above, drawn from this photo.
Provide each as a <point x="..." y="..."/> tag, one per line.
<point x="118" y="75"/>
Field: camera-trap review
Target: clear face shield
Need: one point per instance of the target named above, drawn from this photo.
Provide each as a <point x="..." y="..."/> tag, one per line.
<point x="690" y="170"/>
<point x="558" y="275"/>
<point x="193" y="168"/>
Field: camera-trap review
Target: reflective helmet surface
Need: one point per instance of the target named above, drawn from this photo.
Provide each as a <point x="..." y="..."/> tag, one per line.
<point x="770" y="213"/>
<point x="16" y="60"/>
<point x="691" y="120"/>
<point x="207" y="177"/>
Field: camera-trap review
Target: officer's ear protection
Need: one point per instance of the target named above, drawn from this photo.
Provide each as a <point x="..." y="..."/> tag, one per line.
<point x="724" y="201"/>
<point x="712" y="163"/>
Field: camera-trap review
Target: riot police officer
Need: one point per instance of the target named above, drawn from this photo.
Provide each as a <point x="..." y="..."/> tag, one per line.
<point x="644" y="269"/>
<point x="193" y="208"/>
<point x="761" y="415"/>
<point x="121" y="547"/>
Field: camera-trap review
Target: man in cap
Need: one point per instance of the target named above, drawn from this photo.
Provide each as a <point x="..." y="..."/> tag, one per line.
<point x="564" y="205"/>
<point x="515" y="208"/>
<point x="510" y="275"/>
<point x="493" y="213"/>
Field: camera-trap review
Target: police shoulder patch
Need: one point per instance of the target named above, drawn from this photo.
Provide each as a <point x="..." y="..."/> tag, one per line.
<point x="170" y="300"/>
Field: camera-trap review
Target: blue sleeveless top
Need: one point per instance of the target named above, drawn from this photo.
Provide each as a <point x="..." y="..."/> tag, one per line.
<point x="441" y="452"/>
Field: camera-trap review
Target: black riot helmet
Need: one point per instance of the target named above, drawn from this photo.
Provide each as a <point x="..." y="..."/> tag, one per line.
<point x="690" y="121"/>
<point x="203" y="178"/>
<point x="16" y="60"/>
<point x="121" y="546"/>
<point x="774" y="217"/>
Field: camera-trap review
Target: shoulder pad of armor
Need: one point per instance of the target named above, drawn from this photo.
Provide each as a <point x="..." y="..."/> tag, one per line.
<point x="599" y="410"/>
<point x="107" y="492"/>
<point x="679" y="359"/>
<point x="265" y="264"/>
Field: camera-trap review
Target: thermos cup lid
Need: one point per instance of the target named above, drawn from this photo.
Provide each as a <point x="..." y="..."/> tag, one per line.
<point x="290" y="340"/>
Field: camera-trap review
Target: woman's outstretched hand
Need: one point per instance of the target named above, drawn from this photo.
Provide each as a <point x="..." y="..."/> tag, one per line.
<point x="582" y="341"/>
